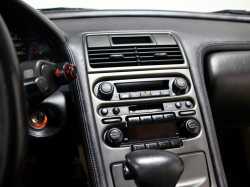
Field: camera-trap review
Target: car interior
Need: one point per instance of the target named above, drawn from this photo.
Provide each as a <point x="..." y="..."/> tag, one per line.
<point x="123" y="98"/>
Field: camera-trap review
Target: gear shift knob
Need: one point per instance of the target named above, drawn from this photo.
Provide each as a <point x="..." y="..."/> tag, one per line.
<point x="151" y="168"/>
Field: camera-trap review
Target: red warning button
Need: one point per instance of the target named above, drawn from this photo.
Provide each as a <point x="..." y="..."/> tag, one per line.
<point x="58" y="73"/>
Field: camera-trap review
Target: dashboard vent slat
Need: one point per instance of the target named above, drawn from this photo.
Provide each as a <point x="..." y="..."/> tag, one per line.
<point x="105" y="57"/>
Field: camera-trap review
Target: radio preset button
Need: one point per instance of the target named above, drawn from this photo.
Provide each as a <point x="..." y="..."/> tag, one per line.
<point x="175" y="143"/>
<point x="169" y="117"/>
<point x="145" y="94"/>
<point x="165" y="92"/>
<point x="124" y="95"/>
<point x="135" y="94"/>
<point x="145" y="119"/>
<point x="155" y="93"/>
<point x="133" y="121"/>
<point x="178" y="105"/>
<point x="104" y="111"/>
<point x="164" y="144"/>
<point x="151" y="146"/>
<point x="157" y="118"/>
<point x="138" y="147"/>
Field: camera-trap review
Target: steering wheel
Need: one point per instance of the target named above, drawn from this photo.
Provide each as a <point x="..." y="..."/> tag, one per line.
<point x="13" y="118"/>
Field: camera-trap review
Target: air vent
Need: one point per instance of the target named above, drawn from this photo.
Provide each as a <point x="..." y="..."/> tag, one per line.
<point x="134" y="56"/>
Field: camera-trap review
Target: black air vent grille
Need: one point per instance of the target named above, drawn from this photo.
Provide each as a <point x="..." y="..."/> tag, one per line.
<point x="134" y="56"/>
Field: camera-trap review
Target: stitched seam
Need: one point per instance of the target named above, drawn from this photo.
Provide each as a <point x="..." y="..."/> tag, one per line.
<point x="201" y="74"/>
<point x="81" y="105"/>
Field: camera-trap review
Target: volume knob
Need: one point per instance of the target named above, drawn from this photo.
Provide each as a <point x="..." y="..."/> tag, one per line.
<point x="179" y="86"/>
<point x="105" y="91"/>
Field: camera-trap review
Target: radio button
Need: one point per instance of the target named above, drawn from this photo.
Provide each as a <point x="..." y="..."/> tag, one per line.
<point x="133" y="121"/>
<point x="104" y="111"/>
<point x="178" y="105"/>
<point x="187" y="113"/>
<point x="145" y="94"/>
<point x="165" y="92"/>
<point x="116" y="110"/>
<point x="155" y="93"/>
<point x="157" y="118"/>
<point x="112" y="120"/>
<point x="124" y="95"/>
<point x="138" y="147"/>
<point x="189" y="104"/>
<point x="175" y="143"/>
<point x="169" y="117"/>
<point x="135" y="94"/>
<point x="164" y="145"/>
<point x="145" y="119"/>
<point x="151" y="146"/>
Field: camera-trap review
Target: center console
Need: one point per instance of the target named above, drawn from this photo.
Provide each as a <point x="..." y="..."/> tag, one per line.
<point x="144" y="98"/>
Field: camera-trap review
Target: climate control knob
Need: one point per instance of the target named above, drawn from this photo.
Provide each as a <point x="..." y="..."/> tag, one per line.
<point x="190" y="127"/>
<point x="179" y="85"/>
<point x="114" y="136"/>
<point x="105" y="91"/>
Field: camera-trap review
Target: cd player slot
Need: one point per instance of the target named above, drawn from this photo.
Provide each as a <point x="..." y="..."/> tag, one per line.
<point x="146" y="108"/>
<point x="142" y="86"/>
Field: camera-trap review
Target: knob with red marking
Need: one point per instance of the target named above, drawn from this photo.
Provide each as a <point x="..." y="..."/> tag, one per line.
<point x="65" y="73"/>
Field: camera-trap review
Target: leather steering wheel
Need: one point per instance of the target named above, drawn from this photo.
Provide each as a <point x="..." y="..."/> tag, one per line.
<point x="13" y="118"/>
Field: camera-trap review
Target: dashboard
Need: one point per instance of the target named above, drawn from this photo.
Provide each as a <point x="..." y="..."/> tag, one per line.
<point x="146" y="81"/>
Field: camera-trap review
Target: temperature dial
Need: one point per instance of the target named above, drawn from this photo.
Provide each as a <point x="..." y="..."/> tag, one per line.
<point x="114" y="136"/>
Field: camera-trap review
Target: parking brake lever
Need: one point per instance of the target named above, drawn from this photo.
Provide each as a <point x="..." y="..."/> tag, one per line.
<point x="42" y="78"/>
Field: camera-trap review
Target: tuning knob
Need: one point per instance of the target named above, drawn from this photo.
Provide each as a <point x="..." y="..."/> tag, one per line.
<point x="190" y="127"/>
<point x="114" y="136"/>
<point x="105" y="91"/>
<point x="179" y="86"/>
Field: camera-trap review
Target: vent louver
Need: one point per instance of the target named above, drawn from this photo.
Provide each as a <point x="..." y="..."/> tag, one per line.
<point x="134" y="56"/>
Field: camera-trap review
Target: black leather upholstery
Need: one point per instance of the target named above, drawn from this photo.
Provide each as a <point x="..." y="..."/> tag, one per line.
<point x="13" y="118"/>
<point x="228" y="85"/>
<point x="153" y="168"/>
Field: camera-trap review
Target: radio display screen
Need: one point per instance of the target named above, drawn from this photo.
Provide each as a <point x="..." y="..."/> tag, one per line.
<point x="142" y="86"/>
<point x="152" y="132"/>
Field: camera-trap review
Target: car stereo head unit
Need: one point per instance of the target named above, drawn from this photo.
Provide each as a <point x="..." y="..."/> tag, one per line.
<point x="141" y="88"/>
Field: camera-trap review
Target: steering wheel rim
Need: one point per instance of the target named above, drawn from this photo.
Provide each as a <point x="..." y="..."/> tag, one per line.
<point x="13" y="118"/>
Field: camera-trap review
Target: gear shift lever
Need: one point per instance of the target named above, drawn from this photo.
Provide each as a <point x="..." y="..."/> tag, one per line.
<point x="153" y="168"/>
